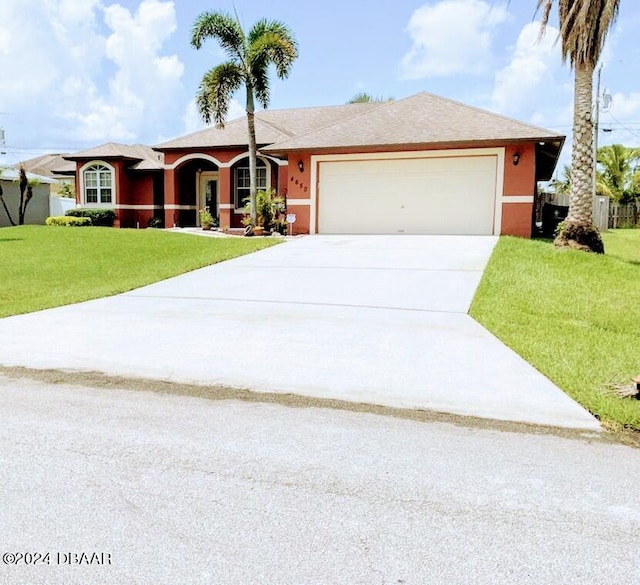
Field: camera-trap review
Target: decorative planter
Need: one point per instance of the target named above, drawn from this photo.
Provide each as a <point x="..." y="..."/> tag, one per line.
<point x="258" y="231"/>
<point x="206" y="226"/>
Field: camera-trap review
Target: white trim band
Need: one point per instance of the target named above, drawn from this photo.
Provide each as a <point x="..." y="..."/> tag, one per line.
<point x="172" y="207"/>
<point x="226" y="206"/>
<point x="222" y="165"/>
<point x="304" y="202"/>
<point x="517" y="199"/>
<point x="140" y="207"/>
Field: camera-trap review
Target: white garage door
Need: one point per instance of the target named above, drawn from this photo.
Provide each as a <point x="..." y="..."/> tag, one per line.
<point x="451" y="195"/>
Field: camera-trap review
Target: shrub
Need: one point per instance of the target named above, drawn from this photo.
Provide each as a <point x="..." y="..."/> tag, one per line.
<point x="155" y="222"/>
<point x="269" y="206"/>
<point x="68" y="221"/>
<point x="206" y="219"/>
<point x="66" y="190"/>
<point x="99" y="217"/>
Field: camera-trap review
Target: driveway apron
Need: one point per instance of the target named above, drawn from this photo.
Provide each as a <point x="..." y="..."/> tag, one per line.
<point x="370" y="319"/>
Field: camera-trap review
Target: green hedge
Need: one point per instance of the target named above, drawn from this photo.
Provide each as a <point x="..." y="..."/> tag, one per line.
<point x="100" y="217"/>
<point x="68" y="221"/>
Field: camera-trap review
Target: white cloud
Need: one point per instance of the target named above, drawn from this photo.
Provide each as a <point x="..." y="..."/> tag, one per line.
<point x="89" y="71"/>
<point x="626" y="107"/>
<point x="529" y="78"/>
<point x="450" y="37"/>
<point x="145" y="83"/>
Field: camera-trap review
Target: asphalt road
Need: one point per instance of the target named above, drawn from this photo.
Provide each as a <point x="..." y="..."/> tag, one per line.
<point x="178" y="490"/>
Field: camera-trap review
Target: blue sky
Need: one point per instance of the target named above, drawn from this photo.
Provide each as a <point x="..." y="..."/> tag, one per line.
<point x="77" y="73"/>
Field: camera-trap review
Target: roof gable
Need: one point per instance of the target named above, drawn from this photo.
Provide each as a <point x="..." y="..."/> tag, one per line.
<point x="143" y="157"/>
<point x="48" y="165"/>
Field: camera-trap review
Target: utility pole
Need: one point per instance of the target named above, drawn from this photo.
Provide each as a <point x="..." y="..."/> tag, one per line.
<point x="3" y="144"/>
<point x="603" y="102"/>
<point x="596" y="127"/>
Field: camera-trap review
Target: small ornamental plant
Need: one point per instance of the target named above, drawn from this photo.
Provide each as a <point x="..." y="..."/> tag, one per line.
<point x="206" y="219"/>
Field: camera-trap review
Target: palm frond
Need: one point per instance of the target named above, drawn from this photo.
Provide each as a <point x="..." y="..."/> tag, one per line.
<point x="584" y="26"/>
<point x="617" y="169"/>
<point x="264" y="26"/>
<point x="216" y="90"/>
<point x="272" y="42"/>
<point x="222" y="27"/>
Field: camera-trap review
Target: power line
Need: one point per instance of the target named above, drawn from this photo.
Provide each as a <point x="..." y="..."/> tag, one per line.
<point x="608" y="124"/>
<point x="629" y="130"/>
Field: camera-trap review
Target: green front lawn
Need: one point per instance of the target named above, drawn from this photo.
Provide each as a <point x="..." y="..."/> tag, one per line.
<point x="573" y="316"/>
<point x="43" y="267"/>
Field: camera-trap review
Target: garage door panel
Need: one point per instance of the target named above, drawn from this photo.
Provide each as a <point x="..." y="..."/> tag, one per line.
<point x="454" y="195"/>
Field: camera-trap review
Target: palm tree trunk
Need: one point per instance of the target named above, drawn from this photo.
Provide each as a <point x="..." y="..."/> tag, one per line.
<point x="578" y="230"/>
<point x="581" y="204"/>
<point x="4" y="204"/>
<point x="253" y="153"/>
<point x="23" y="192"/>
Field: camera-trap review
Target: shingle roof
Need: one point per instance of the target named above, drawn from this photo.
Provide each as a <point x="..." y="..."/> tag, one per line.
<point x="271" y="126"/>
<point x="422" y="119"/>
<point x="48" y="165"/>
<point x="12" y="174"/>
<point x="146" y="158"/>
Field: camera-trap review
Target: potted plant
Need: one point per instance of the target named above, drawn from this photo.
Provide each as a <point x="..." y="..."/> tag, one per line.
<point x="269" y="206"/>
<point x="206" y="219"/>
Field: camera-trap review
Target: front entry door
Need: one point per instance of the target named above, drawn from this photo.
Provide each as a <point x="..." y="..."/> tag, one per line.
<point x="208" y="194"/>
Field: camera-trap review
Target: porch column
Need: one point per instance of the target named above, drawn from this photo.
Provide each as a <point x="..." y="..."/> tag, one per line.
<point x="226" y="196"/>
<point x="170" y="199"/>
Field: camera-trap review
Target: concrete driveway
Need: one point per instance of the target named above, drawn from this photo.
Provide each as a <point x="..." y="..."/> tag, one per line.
<point x="372" y="319"/>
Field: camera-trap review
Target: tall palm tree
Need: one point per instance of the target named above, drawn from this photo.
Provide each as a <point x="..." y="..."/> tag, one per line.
<point x="269" y="42"/>
<point x="584" y="25"/>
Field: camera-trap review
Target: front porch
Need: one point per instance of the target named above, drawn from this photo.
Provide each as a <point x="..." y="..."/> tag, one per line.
<point x="204" y="181"/>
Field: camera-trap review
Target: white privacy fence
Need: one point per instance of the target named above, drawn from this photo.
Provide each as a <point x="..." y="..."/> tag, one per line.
<point x="60" y="205"/>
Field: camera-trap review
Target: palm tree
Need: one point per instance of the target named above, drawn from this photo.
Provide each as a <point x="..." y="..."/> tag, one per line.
<point x="562" y="186"/>
<point x="584" y="25"/>
<point x="26" y="194"/>
<point x="367" y="98"/>
<point x="269" y="42"/>
<point x="619" y="172"/>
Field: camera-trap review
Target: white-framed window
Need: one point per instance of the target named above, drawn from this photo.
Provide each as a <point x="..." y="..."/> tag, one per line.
<point x="241" y="180"/>
<point x="98" y="181"/>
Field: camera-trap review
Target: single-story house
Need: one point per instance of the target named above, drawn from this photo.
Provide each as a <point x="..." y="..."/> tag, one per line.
<point x="420" y="165"/>
<point x="37" y="209"/>
<point x="52" y="166"/>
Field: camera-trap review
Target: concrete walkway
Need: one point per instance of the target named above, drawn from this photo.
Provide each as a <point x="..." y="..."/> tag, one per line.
<point x="373" y="319"/>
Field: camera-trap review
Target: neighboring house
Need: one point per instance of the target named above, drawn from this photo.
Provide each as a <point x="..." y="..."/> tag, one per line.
<point x="52" y="166"/>
<point x="421" y="165"/>
<point x="38" y="208"/>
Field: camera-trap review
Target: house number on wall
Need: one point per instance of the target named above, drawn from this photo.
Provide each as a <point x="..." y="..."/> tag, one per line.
<point x="297" y="182"/>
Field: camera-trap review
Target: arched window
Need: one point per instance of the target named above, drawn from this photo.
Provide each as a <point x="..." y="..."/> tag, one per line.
<point x="241" y="180"/>
<point x="98" y="184"/>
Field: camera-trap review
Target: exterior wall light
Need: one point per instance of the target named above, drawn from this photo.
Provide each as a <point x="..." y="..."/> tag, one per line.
<point x="301" y="166"/>
<point x="516" y="158"/>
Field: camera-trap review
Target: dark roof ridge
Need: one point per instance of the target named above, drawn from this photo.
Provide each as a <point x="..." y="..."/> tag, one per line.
<point x="275" y="126"/>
